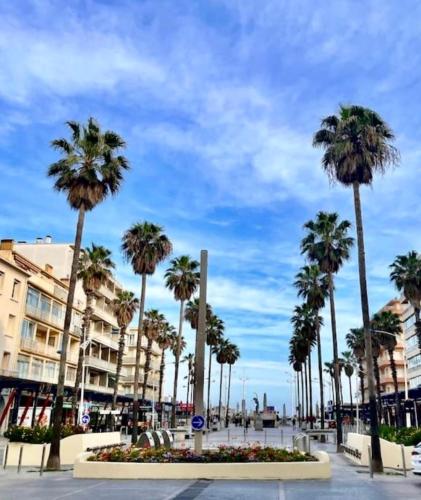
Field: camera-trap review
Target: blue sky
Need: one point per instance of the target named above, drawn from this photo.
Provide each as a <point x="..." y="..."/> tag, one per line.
<point x="218" y="101"/>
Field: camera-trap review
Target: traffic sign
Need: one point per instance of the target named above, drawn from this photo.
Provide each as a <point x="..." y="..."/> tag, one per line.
<point x="197" y="422"/>
<point x="85" y="419"/>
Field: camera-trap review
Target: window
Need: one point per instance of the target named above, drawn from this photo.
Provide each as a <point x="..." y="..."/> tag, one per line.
<point x="56" y="313"/>
<point x="5" y="361"/>
<point x="28" y="329"/>
<point x="52" y="340"/>
<point x="131" y="339"/>
<point x="1" y="280"/>
<point x="11" y="323"/>
<point x="50" y="369"/>
<point x="37" y="368"/>
<point x="32" y="298"/>
<point x="415" y="361"/>
<point x="16" y="289"/>
<point x="23" y="366"/>
<point x="45" y="307"/>
<point x="412" y="342"/>
<point x="71" y="374"/>
<point x="409" y="321"/>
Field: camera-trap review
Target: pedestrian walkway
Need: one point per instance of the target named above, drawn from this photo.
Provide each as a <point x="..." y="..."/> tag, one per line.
<point x="348" y="481"/>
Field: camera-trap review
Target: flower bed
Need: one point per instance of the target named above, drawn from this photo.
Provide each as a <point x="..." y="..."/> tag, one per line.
<point x="249" y="463"/>
<point x="408" y="436"/>
<point x="224" y="454"/>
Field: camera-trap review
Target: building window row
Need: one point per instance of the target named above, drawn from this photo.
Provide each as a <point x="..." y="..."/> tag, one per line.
<point x="415" y="382"/>
<point x="415" y="361"/>
<point x="408" y="322"/>
<point x="43" y="307"/>
<point x="412" y="342"/>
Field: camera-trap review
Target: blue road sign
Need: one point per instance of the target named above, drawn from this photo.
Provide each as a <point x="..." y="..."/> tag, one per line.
<point x="85" y="419"/>
<point x="197" y="422"/>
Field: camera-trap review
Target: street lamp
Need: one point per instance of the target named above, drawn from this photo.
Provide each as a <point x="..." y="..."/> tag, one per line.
<point x="83" y="346"/>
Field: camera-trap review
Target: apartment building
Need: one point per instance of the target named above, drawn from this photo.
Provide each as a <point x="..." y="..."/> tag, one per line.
<point x="152" y="390"/>
<point x="413" y="352"/>
<point x="101" y="353"/>
<point x="386" y="380"/>
<point x="32" y="305"/>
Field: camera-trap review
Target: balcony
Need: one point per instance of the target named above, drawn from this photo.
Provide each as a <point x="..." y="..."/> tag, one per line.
<point x="99" y="388"/>
<point x="100" y="364"/>
<point x="106" y="339"/>
<point x="45" y="316"/>
<point x="37" y="347"/>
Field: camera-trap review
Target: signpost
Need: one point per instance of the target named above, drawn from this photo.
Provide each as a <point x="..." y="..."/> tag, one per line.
<point x="85" y="419"/>
<point x="199" y="364"/>
<point x="197" y="422"/>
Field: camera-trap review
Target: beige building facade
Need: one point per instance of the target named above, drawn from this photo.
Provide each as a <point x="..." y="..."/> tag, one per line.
<point x="152" y="390"/>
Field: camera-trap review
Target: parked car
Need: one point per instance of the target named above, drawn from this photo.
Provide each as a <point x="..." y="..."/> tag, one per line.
<point x="416" y="460"/>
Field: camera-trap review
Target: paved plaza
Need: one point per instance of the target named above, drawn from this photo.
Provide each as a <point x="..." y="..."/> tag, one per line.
<point x="348" y="481"/>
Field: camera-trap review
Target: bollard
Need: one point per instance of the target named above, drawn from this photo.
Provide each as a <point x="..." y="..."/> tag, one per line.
<point x="6" y="453"/>
<point x="370" y="461"/>
<point x="282" y="436"/>
<point x="228" y="431"/>
<point x="20" y="458"/>
<point x="41" y="469"/>
<point x="403" y="460"/>
<point x="265" y="436"/>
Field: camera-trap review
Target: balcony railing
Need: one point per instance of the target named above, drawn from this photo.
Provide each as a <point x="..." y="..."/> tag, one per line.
<point x="99" y="388"/>
<point x="101" y="364"/>
<point x="39" y="313"/>
<point x="106" y="339"/>
<point x="38" y="348"/>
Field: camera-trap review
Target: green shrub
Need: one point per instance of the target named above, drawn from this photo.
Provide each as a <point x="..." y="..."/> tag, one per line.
<point x="38" y="434"/>
<point x="408" y="436"/>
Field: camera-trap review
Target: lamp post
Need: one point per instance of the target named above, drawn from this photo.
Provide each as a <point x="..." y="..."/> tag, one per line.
<point x="84" y="345"/>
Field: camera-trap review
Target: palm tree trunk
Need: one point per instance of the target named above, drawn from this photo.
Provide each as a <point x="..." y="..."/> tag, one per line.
<point x="306" y="389"/>
<point x="374" y="425"/>
<point x="86" y="330"/>
<point x="176" y="367"/>
<point x="396" y="387"/>
<point x="209" y="387"/>
<point x="137" y="361"/>
<point x="147" y="367"/>
<point x="161" y="375"/>
<point x="298" y="399"/>
<point x="339" y="435"/>
<point x="220" y="395"/>
<point x="378" y="387"/>
<point x="340" y="388"/>
<point x="53" y="462"/>
<point x="302" y="395"/>
<point x="228" y="397"/>
<point x="361" y="375"/>
<point x="121" y="342"/>
<point x="350" y="397"/>
<point x="320" y="361"/>
<point x="188" y="391"/>
<point x="310" y="389"/>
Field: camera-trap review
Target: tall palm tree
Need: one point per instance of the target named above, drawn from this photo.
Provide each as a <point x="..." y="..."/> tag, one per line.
<point x="189" y="359"/>
<point x="89" y="169"/>
<point x="125" y="307"/>
<point x="327" y="243"/>
<point x="406" y="274"/>
<point x="182" y="278"/>
<point x="313" y="286"/>
<point x="357" y="144"/>
<point x="375" y="353"/>
<point x="94" y="268"/>
<point x="329" y="368"/>
<point x="214" y="333"/>
<point x="233" y="354"/>
<point x="305" y="321"/>
<point x="221" y="350"/>
<point x="298" y="346"/>
<point x="348" y="359"/>
<point x="166" y="339"/>
<point x="152" y="324"/>
<point x="387" y="325"/>
<point x="355" y="342"/>
<point x="145" y="246"/>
